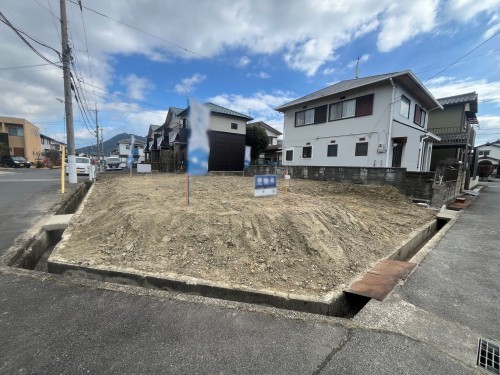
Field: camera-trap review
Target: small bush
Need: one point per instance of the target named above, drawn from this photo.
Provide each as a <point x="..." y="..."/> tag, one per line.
<point x="485" y="168"/>
<point x="40" y="164"/>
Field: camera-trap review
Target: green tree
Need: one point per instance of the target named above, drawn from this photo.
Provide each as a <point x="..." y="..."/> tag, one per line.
<point x="54" y="157"/>
<point x="257" y="138"/>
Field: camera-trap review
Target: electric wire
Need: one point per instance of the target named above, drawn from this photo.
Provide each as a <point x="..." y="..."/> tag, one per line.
<point x="20" y="34"/>
<point x="461" y="58"/>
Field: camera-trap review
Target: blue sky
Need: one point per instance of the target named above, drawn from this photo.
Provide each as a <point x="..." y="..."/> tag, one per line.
<point x="137" y="57"/>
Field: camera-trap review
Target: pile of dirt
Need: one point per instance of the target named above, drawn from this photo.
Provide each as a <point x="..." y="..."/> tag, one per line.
<point x="311" y="240"/>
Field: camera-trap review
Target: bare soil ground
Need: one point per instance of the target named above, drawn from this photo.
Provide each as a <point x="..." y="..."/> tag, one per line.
<point x="311" y="240"/>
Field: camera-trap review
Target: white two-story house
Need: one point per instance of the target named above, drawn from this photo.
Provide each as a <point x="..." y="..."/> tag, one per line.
<point x="378" y="121"/>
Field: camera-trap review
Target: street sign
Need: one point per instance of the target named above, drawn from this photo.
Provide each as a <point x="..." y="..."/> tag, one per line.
<point x="265" y="185"/>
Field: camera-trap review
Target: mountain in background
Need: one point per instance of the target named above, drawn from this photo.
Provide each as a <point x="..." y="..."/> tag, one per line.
<point x="109" y="145"/>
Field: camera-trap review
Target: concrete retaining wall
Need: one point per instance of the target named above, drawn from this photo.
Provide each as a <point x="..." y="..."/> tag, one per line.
<point x="349" y="175"/>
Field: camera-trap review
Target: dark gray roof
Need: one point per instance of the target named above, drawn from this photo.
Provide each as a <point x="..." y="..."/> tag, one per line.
<point x="175" y="110"/>
<point x="270" y="128"/>
<point x="223" y="111"/>
<point x="406" y="78"/>
<point x="470" y="97"/>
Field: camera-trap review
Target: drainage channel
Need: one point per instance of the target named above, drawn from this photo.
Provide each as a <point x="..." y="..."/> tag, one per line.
<point x="34" y="256"/>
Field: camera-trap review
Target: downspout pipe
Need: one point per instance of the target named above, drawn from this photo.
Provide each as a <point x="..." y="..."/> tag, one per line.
<point x="391" y="114"/>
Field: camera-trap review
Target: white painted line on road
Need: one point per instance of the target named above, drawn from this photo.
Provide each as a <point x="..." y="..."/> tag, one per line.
<point x="7" y="172"/>
<point x="31" y="180"/>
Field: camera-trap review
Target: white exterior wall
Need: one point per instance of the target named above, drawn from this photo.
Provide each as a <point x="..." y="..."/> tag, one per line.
<point x="494" y="152"/>
<point x="412" y="158"/>
<point x="347" y="132"/>
<point x="122" y="150"/>
<point x="223" y="124"/>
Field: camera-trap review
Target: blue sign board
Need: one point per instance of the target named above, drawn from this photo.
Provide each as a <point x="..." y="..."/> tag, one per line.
<point x="265" y="185"/>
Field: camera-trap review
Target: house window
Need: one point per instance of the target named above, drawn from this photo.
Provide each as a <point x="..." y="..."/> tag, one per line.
<point x="419" y="117"/>
<point x="234" y="126"/>
<point x="17" y="131"/>
<point x="484" y="153"/>
<point x="127" y="147"/>
<point x="270" y="140"/>
<point x="361" y="149"/>
<point x="332" y="150"/>
<point x="289" y="155"/>
<point x="307" y="152"/>
<point x="361" y="106"/>
<point x="404" y="109"/>
<point x="311" y="116"/>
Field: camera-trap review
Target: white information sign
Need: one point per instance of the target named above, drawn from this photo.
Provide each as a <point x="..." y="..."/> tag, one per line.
<point x="265" y="185"/>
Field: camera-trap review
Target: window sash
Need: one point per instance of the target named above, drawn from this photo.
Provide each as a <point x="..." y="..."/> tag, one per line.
<point x="335" y="111"/>
<point x="361" y="149"/>
<point x="289" y="155"/>
<point x="404" y="109"/>
<point x="348" y="108"/>
<point x="332" y="150"/>
<point x="307" y="152"/>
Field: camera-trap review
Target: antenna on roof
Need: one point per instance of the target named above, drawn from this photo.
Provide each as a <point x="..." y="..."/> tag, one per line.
<point x="356" y="72"/>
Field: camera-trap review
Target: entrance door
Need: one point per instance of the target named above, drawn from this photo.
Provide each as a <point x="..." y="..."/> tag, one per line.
<point x="19" y="151"/>
<point x="397" y="151"/>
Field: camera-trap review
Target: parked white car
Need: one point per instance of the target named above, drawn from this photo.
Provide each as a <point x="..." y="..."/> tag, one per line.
<point x="82" y="165"/>
<point x="113" y="162"/>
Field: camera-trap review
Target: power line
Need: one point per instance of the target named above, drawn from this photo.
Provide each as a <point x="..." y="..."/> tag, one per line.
<point x="471" y="58"/>
<point x="461" y="58"/>
<point x="88" y="55"/>
<point x="185" y="49"/>
<point x="26" y="66"/>
<point x="20" y="35"/>
<point x="123" y="96"/>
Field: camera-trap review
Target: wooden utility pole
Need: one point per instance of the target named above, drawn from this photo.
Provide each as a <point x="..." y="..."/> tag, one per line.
<point x="68" y="104"/>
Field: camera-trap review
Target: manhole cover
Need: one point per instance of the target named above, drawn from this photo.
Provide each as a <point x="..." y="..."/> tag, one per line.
<point x="487" y="356"/>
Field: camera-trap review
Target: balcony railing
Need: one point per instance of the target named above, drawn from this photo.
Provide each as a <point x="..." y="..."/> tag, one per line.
<point x="454" y="134"/>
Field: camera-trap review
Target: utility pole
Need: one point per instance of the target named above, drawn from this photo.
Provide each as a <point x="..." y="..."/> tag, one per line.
<point x="68" y="104"/>
<point x="102" y="143"/>
<point x="97" y="135"/>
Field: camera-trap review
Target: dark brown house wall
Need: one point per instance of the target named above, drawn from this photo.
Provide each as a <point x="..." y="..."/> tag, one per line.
<point x="227" y="151"/>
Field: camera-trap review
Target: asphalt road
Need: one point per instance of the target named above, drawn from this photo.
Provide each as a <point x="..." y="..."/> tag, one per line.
<point x="26" y="195"/>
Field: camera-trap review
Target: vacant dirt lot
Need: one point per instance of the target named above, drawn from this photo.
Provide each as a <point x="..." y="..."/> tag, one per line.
<point x="311" y="240"/>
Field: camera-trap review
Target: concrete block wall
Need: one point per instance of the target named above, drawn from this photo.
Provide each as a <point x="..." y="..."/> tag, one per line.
<point x="419" y="185"/>
<point x="349" y="175"/>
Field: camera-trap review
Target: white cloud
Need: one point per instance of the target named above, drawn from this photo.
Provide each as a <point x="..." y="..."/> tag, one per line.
<point x="449" y="86"/>
<point x="136" y="86"/>
<point x="465" y="10"/>
<point x="259" y="105"/>
<point x="262" y="75"/>
<point x="403" y="20"/>
<point x="328" y="71"/>
<point x="362" y="59"/>
<point x="187" y="84"/>
<point x="489" y="129"/>
<point x="244" y="61"/>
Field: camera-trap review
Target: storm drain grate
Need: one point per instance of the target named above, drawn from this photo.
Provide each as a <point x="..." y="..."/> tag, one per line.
<point x="487" y="356"/>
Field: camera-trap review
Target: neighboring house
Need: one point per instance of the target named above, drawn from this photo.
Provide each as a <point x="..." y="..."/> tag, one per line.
<point x="490" y="151"/>
<point x="173" y="135"/>
<point x="47" y="143"/>
<point x="150" y="154"/>
<point x="124" y="151"/>
<point x="273" y="152"/>
<point x="455" y="126"/>
<point x="226" y="133"/>
<point x="378" y="121"/>
<point x="19" y="137"/>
